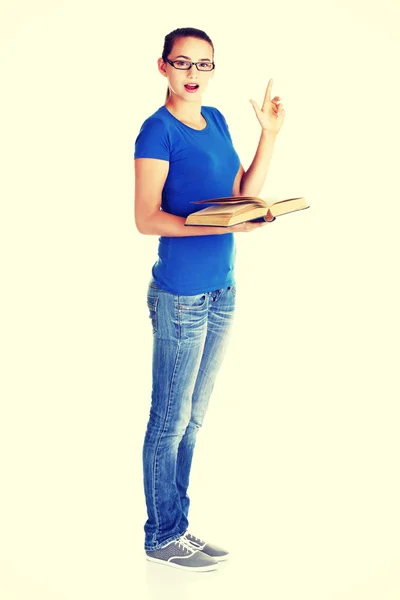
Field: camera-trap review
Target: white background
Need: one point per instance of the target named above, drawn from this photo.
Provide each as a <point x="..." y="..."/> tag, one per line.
<point x="296" y="467"/>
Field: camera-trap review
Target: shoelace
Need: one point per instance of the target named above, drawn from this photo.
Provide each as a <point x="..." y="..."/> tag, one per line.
<point x="194" y="544"/>
<point x="185" y="543"/>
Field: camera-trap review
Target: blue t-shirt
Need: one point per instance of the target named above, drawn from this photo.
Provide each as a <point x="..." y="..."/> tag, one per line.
<point x="202" y="165"/>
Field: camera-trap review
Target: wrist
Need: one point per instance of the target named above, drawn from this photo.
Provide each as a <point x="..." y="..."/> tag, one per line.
<point x="271" y="135"/>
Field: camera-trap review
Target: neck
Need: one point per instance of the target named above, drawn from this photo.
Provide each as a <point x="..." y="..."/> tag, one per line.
<point x="185" y="111"/>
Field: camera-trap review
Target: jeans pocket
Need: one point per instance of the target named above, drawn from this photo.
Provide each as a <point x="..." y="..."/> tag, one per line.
<point x="152" y="302"/>
<point x="197" y="302"/>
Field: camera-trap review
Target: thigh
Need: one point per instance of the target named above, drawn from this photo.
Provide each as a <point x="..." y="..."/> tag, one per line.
<point x="219" y="326"/>
<point x="177" y="317"/>
<point x="179" y="325"/>
<point x="220" y="319"/>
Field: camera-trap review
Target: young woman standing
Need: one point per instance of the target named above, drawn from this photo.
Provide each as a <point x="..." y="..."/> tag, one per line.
<point x="184" y="152"/>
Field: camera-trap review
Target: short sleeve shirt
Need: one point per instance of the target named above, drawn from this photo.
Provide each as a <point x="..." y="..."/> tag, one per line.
<point x="202" y="165"/>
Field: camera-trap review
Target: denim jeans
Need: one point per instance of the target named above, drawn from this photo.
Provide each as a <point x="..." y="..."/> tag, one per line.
<point x="190" y="337"/>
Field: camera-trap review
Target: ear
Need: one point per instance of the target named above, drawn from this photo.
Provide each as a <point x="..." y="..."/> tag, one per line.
<point x="162" y="67"/>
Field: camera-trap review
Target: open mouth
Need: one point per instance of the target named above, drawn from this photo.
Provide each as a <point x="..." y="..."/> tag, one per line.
<point x="191" y="87"/>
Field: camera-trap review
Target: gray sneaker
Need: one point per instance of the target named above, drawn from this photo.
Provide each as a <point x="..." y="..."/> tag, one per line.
<point x="182" y="555"/>
<point x="213" y="550"/>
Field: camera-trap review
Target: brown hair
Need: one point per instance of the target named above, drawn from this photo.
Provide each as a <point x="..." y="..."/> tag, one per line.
<point x="171" y="38"/>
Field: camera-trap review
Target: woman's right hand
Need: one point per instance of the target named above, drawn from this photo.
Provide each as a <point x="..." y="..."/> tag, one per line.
<point x="246" y="226"/>
<point x="250" y="226"/>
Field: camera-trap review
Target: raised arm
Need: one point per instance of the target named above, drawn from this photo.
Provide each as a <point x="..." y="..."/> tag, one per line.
<point x="270" y="116"/>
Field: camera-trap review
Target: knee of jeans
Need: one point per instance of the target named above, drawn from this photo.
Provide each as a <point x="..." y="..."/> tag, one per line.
<point x="196" y="421"/>
<point x="178" y="428"/>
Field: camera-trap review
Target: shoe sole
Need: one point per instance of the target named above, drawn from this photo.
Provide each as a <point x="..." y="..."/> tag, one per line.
<point x="182" y="567"/>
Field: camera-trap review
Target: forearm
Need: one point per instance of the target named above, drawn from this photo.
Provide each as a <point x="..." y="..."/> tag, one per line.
<point x="166" y="224"/>
<point x="253" y="179"/>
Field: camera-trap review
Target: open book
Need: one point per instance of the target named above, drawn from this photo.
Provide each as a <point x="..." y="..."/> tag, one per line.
<point x="237" y="209"/>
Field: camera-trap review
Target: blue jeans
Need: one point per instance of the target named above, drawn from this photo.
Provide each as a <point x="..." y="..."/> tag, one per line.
<point x="190" y="337"/>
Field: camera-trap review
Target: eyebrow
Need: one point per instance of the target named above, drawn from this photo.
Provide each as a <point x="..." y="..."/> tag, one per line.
<point x="188" y="57"/>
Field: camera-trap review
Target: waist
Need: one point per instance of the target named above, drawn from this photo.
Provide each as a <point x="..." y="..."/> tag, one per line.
<point x="192" y="265"/>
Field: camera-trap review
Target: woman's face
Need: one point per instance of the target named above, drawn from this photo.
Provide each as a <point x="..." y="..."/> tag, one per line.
<point x="195" y="50"/>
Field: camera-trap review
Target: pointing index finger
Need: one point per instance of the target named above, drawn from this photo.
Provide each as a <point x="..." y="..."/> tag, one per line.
<point x="267" y="97"/>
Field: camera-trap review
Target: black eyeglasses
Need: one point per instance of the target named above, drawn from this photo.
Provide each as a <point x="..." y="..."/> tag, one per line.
<point x="185" y="65"/>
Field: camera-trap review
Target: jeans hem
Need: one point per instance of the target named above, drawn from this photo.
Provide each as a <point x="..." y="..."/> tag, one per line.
<point x="164" y="543"/>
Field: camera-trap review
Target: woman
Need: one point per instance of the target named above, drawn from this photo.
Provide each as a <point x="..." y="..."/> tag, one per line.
<point x="183" y="153"/>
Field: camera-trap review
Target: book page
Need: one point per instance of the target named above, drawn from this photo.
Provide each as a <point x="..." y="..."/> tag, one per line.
<point x="228" y="209"/>
<point x="232" y="200"/>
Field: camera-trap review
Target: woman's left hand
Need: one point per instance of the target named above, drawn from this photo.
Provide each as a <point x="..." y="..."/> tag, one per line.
<point x="272" y="113"/>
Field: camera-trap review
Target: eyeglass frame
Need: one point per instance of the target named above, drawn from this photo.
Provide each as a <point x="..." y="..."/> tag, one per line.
<point x="171" y="62"/>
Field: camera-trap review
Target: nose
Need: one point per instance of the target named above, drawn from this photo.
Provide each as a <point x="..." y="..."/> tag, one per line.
<point x="193" y="70"/>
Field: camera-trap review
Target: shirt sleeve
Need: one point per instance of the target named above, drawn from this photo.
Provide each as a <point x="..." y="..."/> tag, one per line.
<point x="153" y="140"/>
